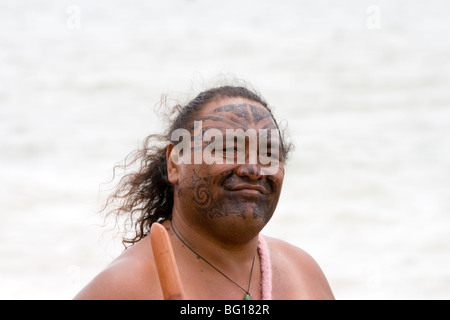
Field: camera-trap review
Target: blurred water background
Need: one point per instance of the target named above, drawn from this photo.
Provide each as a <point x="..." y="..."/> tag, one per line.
<point x="363" y="85"/>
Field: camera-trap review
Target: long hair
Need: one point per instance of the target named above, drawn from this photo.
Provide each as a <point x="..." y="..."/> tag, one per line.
<point x="145" y="196"/>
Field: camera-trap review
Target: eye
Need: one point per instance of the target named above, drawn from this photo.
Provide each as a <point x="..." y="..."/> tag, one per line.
<point x="230" y="149"/>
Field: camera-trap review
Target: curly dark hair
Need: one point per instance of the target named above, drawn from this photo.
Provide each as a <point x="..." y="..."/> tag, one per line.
<point x="145" y="196"/>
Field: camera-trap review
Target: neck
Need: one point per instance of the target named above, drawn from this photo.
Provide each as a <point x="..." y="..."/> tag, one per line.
<point x="227" y="255"/>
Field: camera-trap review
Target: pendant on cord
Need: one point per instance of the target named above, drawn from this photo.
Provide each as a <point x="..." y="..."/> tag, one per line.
<point x="248" y="296"/>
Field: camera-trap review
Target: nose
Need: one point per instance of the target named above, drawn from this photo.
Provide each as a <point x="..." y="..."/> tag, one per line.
<point x="251" y="171"/>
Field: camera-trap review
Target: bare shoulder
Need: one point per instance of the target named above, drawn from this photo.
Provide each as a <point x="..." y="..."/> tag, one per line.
<point x="296" y="275"/>
<point x="132" y="275"/>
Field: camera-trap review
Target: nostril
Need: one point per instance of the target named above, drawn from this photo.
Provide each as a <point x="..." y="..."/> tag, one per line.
<point x="251" y="171"/>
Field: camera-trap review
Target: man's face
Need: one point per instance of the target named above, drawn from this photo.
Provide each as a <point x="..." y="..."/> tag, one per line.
<point x="229" y="194"/>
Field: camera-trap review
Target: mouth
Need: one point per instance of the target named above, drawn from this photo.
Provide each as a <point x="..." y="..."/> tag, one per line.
<point x="248" y="188"/>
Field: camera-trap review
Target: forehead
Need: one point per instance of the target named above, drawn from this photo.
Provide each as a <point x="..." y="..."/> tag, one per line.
<point x="235" y="113"/>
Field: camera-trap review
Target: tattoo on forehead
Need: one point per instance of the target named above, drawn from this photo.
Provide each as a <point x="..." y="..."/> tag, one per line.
<point x="244" y="111"/>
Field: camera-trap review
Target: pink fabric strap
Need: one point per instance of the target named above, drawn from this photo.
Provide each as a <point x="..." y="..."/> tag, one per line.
<point x="266" y="269"/>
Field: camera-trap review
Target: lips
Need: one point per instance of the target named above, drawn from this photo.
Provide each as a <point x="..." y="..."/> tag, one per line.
<point x="247" y="188"/>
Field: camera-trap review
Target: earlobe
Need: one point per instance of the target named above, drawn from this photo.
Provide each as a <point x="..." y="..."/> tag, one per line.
<point x="172" y="166"/>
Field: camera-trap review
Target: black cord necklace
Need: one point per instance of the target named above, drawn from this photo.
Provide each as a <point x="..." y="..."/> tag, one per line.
<point x="247" y="296"/>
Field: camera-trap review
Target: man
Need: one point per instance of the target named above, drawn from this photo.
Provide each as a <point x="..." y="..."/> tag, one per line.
<point x="213" y="184"/>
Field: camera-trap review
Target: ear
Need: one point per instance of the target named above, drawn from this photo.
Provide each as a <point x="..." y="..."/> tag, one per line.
<point x="172" y="166"/>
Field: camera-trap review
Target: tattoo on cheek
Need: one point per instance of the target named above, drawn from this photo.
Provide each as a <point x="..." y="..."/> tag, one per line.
<point x="201" y="195"/>
<point x="202" y="198"/>
<point x="213" y="208"/>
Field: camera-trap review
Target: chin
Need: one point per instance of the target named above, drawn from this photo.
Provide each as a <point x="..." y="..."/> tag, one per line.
<point x="239" y="228"/>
